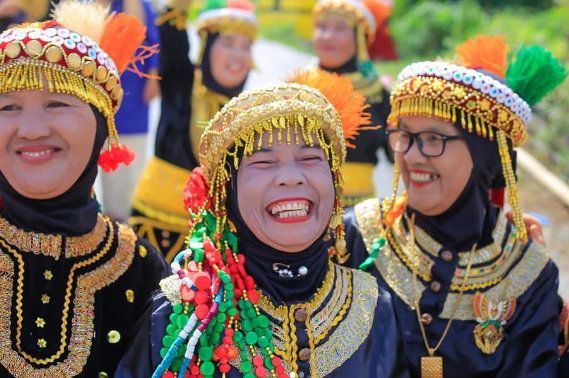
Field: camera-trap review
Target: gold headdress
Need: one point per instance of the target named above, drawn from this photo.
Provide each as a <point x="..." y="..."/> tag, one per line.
<point x="293" y="112"/>
<point x="82" y="52"/>
<point x="467" y="93"/>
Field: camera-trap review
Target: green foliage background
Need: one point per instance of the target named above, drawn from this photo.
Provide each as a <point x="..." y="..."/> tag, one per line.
<point x="427" y="29"/>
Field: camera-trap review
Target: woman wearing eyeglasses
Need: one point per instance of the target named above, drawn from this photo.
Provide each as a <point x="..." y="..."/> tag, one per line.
<point x="474" y="295"/>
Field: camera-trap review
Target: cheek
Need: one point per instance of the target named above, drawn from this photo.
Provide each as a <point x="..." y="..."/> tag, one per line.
<point x="217" y="59"/>
<point x="400" y="160"/>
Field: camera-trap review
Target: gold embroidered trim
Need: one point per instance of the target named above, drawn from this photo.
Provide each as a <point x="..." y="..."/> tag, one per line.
<point x="51" y="245"/>
<point x="335" y="308"/>
<point x="520" y="278"/>
<point x="399" y="278"/>
<point x="282" y="312"/>
<point x="82" y="330"/>
<point x="82" y="245"/>
<point x="491" y="274"/>
<point x="394" y="272"/>
<point x="351" y="331"/>
<point x="417" y="258"/>
<point x="482" y="255"/>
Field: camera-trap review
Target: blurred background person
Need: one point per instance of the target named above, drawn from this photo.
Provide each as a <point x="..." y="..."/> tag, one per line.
<point x="348" y="36"/>
<point x="191" y="95"/>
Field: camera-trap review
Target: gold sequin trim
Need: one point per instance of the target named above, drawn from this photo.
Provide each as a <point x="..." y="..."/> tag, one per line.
<point x="352" y="331"/>
<point x="82" y="329"/>
<point x="51" y="245"/>
<point x="389" y="265"/>
<point x="82" y="245"/>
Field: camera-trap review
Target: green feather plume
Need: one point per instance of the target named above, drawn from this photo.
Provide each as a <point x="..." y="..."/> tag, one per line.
<point x="534" y="74"/>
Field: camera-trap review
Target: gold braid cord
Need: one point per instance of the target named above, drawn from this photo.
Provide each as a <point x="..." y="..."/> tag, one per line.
<point x="511" y="185"/>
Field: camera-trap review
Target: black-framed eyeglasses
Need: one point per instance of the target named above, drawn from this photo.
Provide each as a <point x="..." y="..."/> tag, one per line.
<point x="430" y="143"/>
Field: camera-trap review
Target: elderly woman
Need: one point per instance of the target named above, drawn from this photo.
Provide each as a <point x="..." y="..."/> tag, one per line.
<point x="348" y="35"/>
<point x="256" y="293"/>
<point x="191" y="95"/>
<point x="475" y="296"/>
<point x="70" y="284"/>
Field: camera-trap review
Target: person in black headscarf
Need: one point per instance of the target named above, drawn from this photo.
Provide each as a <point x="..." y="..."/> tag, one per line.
<point x="191" y="95"/>
<point x="474" y="295"/>
<point x="348" y="35"/>
<point x="70" y="279"/>
<point x="263" y="203"/>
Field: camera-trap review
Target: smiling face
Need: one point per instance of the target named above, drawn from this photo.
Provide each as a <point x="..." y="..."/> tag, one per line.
<point x="230" y="59"/>
<point x="286" y="194"/>
<point x="334" y="41"/>
<point x="46" y="140"/>
<point x="434" y="183"/>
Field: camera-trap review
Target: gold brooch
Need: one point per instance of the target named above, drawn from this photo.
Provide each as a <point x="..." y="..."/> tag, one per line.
<point x="491" y="316"/>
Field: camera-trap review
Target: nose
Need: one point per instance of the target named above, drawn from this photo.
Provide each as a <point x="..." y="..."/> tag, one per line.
<point x="414" y="155"/>
<point x="289" y="175"/>
<point x="34" y="125"/>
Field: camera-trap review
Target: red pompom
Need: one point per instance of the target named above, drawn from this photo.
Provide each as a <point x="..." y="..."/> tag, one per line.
<point x="110" y="159"/>
<point x="196" y="192"/>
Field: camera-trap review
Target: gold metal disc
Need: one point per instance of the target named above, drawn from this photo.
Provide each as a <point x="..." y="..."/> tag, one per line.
<point x="74" y="61"/>
<point x="53" y="54"/>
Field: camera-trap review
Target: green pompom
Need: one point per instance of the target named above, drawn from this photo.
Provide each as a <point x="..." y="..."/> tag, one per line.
<point x="534" y="74"/>
<point x="214" y="4"/>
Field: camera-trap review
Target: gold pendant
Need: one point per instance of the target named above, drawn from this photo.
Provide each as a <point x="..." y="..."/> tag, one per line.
<point x="431" y="367"/>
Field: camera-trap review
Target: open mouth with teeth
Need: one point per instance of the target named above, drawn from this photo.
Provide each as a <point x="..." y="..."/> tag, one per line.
<point x="290" y="210"/>
<point x="422" y="178"/>
<point x="37" y="154"/>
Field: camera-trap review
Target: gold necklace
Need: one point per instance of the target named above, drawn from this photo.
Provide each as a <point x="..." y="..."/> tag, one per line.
<point x="432" y="366"/>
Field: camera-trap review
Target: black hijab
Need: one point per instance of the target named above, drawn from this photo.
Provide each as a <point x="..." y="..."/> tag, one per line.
<point x="348" y="67"/>
<point x="72" y="213"/>
<point x="207" y="77"/>
<point x="261" y="257"/>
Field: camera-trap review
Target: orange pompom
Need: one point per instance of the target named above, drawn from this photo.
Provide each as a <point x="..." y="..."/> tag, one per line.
<point x="485" y="52"/>
<point x="130" y="32"/>
<point x="349" y="103"/>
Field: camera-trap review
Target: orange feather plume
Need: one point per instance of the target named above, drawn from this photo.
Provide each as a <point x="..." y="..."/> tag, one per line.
<point x="485" y="52"/>
<point x="349" y="103"/>
<point x="130" y="32"/>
